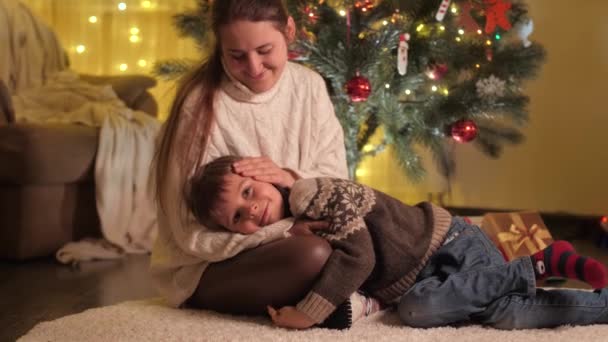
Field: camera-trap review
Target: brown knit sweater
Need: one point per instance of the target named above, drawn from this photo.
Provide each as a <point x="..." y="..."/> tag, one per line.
<point x="379" y="244"/>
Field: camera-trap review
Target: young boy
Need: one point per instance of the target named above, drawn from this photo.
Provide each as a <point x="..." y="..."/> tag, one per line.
<point x="436" y="268"/>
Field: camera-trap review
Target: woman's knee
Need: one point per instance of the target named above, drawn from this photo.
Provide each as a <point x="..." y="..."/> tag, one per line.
<point x="306" y="255"/>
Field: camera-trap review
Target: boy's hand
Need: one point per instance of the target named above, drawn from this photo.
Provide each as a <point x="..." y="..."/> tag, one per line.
<point x="290" y="317"/>
<point x="307" y="227"/>
<point x="265" y="170"/>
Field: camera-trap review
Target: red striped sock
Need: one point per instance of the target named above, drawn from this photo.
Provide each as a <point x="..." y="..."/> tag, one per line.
<point x="560" y="259"/>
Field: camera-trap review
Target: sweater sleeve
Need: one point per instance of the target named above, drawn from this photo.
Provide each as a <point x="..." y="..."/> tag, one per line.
<point x="344" y="204"/>
<point x="329" y="152"/>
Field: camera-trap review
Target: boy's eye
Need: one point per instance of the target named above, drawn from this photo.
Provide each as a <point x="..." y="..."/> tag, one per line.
<point x="238" y="57"/>
<point x="265" y="51"/>
<point x="246" y="192"/>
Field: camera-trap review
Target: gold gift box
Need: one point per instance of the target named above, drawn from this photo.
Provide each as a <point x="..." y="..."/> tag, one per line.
<point x="517" y="234"/>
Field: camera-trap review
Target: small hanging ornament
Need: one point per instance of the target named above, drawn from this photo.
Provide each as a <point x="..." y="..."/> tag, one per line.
<point x="402" y="53"/>
<point x="358" y="88"/>
<point x="496" y="15"/>
<point x="524" y="29"/>
<point x="365" y="5"/>
<point x="443" y="9"/>
<point x="491" y="88"/>
<point x="465" y="19"/>
<point x="489" y="54"/>
<point x="464" y="130"/>
<point x="436" y="71"/>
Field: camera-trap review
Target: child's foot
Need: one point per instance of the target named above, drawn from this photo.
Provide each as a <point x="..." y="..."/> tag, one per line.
<point x="560" y="259"/>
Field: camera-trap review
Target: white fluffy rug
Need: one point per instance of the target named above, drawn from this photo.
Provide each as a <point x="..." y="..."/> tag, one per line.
<point x="151" y="320"/>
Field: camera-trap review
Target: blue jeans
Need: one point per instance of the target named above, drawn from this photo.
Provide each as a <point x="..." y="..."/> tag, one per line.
<point x="468" y="281"/>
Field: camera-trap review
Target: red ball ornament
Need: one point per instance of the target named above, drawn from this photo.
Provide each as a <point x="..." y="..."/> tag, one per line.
<point x="358" y="88"/>
<point x="464" y="130"/>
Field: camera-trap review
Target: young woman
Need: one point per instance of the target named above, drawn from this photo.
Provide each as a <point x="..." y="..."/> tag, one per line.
<point x="245" y="99"/>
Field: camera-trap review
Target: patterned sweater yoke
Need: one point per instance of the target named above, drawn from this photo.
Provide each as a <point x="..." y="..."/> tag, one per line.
<point x="366" y="226"/>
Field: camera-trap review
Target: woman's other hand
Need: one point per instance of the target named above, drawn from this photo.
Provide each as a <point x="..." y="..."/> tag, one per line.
<point x="265" y="170"/>
<point x="307" y="227"/>
<point x="290" y="317"/>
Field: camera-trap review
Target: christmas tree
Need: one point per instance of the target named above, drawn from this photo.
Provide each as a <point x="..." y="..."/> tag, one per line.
<point x="421" y="73"/>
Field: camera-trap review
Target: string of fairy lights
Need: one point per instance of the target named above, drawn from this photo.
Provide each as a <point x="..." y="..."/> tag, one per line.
<point x="134" y="34"/>
<point x="423" y="29"/>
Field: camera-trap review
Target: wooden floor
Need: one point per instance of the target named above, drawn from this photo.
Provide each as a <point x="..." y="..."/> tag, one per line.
<point x="42" y="290"/>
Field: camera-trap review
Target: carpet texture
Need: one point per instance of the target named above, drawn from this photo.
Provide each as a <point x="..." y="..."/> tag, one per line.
<point x="151" y="320"/>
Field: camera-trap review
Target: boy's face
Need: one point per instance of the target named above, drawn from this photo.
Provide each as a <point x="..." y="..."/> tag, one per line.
<point x="245" y="205"/>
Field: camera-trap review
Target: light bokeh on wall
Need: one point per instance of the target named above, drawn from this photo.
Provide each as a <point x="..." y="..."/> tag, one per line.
<point x="102" y="37"/>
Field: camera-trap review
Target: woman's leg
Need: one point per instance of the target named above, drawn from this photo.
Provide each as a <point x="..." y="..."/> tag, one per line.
<point x="278" y="274"/>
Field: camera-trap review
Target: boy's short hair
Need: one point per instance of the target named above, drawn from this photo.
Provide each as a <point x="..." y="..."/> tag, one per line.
<point x="205" y="187"/>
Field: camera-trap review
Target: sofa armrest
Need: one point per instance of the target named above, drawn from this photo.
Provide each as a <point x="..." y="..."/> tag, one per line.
<point x="7" y="114"/>
<point x="131" y="89"/>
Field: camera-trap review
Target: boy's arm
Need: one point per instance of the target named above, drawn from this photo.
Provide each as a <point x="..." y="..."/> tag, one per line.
<point x="344" y="204"/>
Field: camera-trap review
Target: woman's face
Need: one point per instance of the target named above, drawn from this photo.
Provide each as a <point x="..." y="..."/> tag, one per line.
<point x="255" y="53"/>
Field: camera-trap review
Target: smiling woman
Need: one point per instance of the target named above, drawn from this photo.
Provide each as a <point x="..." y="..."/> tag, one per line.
<point x="255" y="57"/>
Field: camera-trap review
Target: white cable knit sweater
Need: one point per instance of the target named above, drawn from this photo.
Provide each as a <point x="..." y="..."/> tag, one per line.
<point x="294" y="124"/>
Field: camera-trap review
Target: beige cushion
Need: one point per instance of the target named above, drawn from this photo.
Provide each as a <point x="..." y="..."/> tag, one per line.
<point x="47" y="154"/>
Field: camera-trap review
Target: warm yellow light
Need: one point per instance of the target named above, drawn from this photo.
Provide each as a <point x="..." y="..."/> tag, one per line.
<point x="122" y="6"/>
<point x="419" y="28"/>
<point x="434" y="88"/>
<point x="134" y="30"/>
<point x="479" y="31"/>
<point x="342" y="12"/>
<point x="477" y="66"/>
<point x="442" y="28"/>
<point x="387" y="86"/>
<point x="408" y="92"/>
<point x="458" y="39"/>
<point x="142" y="63"/>
<point x="446" y="92"/>
<point x="488" y="42"/>
<point x="385" y="23"/>
<point x="134" y="39"/>
<point x="361" y="172"/>
<point x="146" y="4"/>
<point x="460" y="31"/>
<point x="92" y="19"/>
<point x="454" y="9"/>
<point x="81" y="49"/>
<point x="368" y="148"/>
<point x="361" y="35"/>
<point x="123" y="67"/>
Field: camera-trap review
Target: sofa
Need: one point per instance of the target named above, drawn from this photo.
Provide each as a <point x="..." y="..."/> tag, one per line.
<point x="47" y="189"/>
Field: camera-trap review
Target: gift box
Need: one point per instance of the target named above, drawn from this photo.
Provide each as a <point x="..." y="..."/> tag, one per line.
<point x="517" y="234"/>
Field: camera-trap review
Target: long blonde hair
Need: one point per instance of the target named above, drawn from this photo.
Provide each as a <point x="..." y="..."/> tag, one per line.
<point x="192" y="145"/>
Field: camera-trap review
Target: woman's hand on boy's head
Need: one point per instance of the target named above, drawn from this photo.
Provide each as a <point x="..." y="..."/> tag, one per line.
<point x="265" y="170"/>
<point x="307" y="227"/>
<point x="290" y="317"/>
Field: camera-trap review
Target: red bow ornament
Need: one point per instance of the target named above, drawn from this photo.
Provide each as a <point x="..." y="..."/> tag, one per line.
<point x="496" y="15"/>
